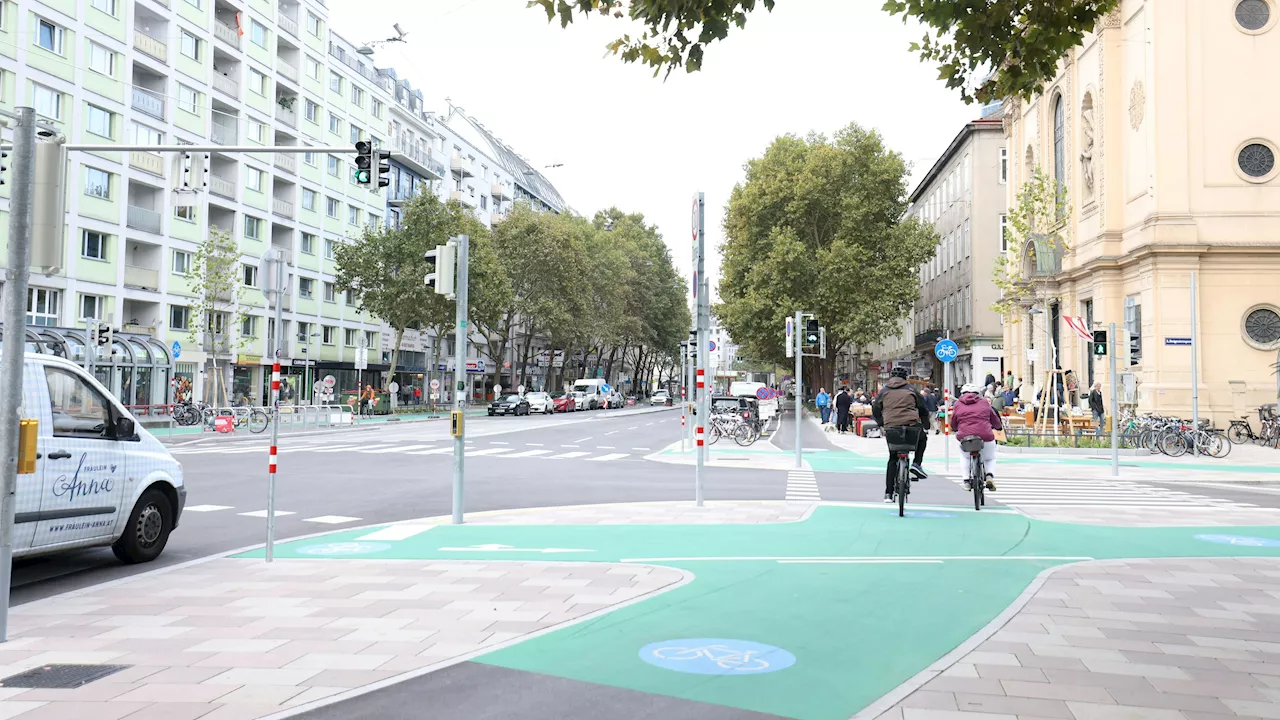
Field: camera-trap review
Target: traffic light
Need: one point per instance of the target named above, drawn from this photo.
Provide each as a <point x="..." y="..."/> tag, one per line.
<point x="812" y="333"/>
<point x="364" y="162"/>
<point x="1100" y="342"/>
<point x="442" y="261"/>
<point x="102" y="335"/>
<point x="381" y="169"/>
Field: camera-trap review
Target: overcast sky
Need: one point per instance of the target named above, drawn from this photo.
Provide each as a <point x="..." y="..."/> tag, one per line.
<point x="628" y="139"/>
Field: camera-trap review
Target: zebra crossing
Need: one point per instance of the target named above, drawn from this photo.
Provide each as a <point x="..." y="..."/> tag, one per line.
<point x="498" y="450"/>
<point x="802" y="485"/>
<point x="1095" y="492"/>
<point x="319" y="519"/>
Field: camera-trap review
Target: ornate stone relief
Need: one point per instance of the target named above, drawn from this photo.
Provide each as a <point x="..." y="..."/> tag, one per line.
<point x="1137" y="104"/>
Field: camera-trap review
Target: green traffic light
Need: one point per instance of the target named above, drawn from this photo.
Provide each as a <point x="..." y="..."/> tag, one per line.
<point x="362" y="177"/>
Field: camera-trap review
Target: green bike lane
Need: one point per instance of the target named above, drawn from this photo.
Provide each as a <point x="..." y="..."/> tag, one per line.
<point x="841" y="608"/>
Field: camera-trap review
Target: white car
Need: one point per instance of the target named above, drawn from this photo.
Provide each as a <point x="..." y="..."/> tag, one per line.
<point x="581" y="401"/>
<point x="659" y="398"/>
<point x="541" y="402"/>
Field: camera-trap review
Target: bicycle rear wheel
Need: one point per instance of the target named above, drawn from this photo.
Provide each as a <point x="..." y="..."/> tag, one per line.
<point x="904" y="486"/>
<point x="258" y="421"/>
<point x="1173" y="443"/>
<point x="713" y="434"/>
<point x="1238" y="434"/>
<point x="745" y="435"/>
<point x="977" y="478"/>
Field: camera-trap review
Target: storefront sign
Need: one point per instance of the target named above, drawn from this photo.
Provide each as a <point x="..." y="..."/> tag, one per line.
<point x="411" y="341"/>
<point x="249" y="359"/>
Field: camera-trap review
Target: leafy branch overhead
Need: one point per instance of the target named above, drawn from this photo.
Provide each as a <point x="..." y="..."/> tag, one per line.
<point x="1022" y="39"/>
<point x="1037" y="237"/>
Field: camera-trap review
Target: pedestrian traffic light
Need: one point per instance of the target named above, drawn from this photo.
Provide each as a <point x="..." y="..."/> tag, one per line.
<point x="102" y="334"/>
<point x="364" y="162"/>
<point x="1099" y="342"/>
<point x="812" y="333"/>
<point x="381" y="169"/>
<point x="441" y="262"/>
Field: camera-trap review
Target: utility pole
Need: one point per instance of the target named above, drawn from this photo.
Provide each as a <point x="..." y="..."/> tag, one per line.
<point x="460" y="372"/>
<point x="1112" y="339"/>
<point x="702" y="308"/>
<point x="274" y="266"/>
<point x="21" y="203"/>
<point x="1195" y="369"/>
<point x="799" y="382"/>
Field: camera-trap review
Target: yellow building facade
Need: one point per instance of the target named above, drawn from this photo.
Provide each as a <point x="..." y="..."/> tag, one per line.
<point x="1165" y="133"/>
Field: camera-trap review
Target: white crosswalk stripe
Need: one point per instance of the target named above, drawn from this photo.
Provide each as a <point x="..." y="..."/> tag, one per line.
<point x="527" y="453"/>
<point x="494" y="450"/>
<point x="263" y="513"/>
<point x="331" y="519"/>
<point x="206" y="508"/>
<point x="1051" y="492"/>
<point x="802" y="485"/>
<point x="608" y="457"/>
<point x="396" y="532"/>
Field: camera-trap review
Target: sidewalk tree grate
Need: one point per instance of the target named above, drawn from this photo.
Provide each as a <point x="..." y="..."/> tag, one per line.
<point x="60" y="676"/>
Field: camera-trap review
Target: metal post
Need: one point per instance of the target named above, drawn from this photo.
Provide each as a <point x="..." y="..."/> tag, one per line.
<point x="684" y="405"/>
<point x="703" y="309"/>
<point x="946" y="412"/>
<point x="798" y="334"/>
<point x="15" y="326"/>
<point x="275" y="406"/>
<point x="460" y="370"/>
<point x="1113" y="340"/>
<point x="1195" y="369"/>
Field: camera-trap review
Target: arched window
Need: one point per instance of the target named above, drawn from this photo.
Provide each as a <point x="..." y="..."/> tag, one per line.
<point x="1059" y="142"/>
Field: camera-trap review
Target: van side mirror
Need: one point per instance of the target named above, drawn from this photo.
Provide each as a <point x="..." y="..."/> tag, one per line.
<point x="125" y="428"/>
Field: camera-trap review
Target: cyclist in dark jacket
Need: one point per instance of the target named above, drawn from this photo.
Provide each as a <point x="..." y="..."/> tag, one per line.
<point x="899" y="405"/>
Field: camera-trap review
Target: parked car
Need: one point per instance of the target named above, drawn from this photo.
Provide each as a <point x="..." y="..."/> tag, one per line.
<point x="659" y="398"/>
<point x="540" y="402"/>
<point x="614" y="399"/>
<point x="593" y="390"/>
<point x="509" y="405"/>
<point x="563" y="402"/>
<point x="580" y="401"/>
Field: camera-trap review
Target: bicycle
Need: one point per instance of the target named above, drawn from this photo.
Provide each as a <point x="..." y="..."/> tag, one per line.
<point x="977" y="472"/>
<point x="902" y="442"/>
<point x="255" y="418"/>
<point x="725" y="657"/>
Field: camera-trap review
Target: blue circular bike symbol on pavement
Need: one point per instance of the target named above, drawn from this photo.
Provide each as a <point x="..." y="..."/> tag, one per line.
<point x="344" y="548"/>
<point x="922" y="514"/>
<point x="716" y="656"/>
<point x="1239" y="540"/>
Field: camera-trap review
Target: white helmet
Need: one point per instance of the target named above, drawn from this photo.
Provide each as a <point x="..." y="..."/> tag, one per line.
<point x="970" y="388"/>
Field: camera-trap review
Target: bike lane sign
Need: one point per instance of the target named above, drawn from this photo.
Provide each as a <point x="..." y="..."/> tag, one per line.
<point x="946" y="350"/>
<point x="1239" y="540"/>
<point x="716" y="656"/>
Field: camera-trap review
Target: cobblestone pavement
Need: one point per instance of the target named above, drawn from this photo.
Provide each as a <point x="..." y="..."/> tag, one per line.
<point x="1178" y="639"/>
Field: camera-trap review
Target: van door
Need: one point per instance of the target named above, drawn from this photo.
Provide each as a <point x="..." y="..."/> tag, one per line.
<point x="84" y="472"/>
<point x="30" y="487"/>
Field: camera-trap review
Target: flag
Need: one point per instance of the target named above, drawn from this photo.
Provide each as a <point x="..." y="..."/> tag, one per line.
<point x="1080" y="327"/>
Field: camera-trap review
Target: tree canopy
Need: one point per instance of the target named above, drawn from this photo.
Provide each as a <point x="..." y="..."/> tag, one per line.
<point x="819" y="225"/>
<point x="1022" y="40"/>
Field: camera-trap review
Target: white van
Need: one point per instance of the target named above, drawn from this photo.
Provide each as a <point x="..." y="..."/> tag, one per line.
<point x="594" y="390"/>
<point x="768" y="408"/>
<point x="100" y="479"/>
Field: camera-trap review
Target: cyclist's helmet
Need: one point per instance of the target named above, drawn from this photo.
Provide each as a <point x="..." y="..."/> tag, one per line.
<point x="970" y="388"/>
<point x="899" y="372"/>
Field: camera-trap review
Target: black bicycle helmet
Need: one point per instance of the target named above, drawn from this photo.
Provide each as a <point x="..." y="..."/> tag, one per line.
<point x="900" y="372"/>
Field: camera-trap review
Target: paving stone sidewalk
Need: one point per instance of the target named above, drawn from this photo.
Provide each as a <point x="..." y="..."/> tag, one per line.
<point x="1176" y="639"/>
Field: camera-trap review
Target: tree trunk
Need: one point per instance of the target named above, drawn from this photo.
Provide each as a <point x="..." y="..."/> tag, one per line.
<point x="608" y="368"/>
<point x="524" y="355"/>
<point x="395" y="355"/>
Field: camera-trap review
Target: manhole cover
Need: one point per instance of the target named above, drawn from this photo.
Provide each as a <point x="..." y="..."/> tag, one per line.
<point x="60" y="676"/>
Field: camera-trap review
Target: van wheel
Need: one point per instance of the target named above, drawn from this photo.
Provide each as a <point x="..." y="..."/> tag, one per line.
<point x="147" y="531"/>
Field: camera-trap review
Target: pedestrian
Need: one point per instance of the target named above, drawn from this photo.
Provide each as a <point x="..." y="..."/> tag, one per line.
<point x="823" y="401"/>
<point x="997" y="398"/>
<point x="417" y="395"/>
<point x="1008" y="379"/>
<point x="861" y="397"/>
<point x="843" y="401"/>
<point x="990" y="382"/>
<point x="1095" y="405"/>
<point x="974" y="417"/>
<point x="930" y="400"/>
<point x="366" y="399"/>
<point x="899" y="405"/>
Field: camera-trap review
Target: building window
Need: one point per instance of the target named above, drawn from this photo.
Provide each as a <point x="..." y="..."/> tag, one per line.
<point x="97" y="183"/>
<point x="257" y="34"/>
<point x="353" y="215"/>
<point x="102" y="60"/>
<point x="335" y="82"/>
<point x="185" y="212"/>
<point x="143" y="135"/>
<point x="335" y="124"/>
<point x="49" y="36"/>
<point x="328" y="292"/>
<point x="335" y="166"/>
<point x="350" y="298"/>
<point x="355" y="134"/>
<point x="42" y="306"/>
<point x="349" y="337"/>
<point x="1133" y="324"/>
<point x="251" y="227"/>
<point x="308" y="199"/>
<point x="964" y="238"/>
<point x="1004" y="233"/>
<point x="249" y="328"/>
<point x="106" y="6"/>
<point x="257" y="82"/>
<point x="370" y="340"/>
<point x="257" y="131"/>
<point x="309" y="158"/>
<point x="313" y="68"/>
<point x="92" y="307"/>
<point x="1253" y="15"/>
<point x="376" y="108"/>
<point x="187" y="98"/>
<point x="1257" y="160"/>
<point x="305" y="287"/>
<point x="1004" y="165"/>
<point x="250" y="275"/>
<point x="357" y="96"/>
<point x="313" y="24"/>
<point x="190" y="46"/>
<point x="484" y="202"/>
<point x="179" y="317"/>
<point x="1262" y="328"/>
<point x="312" y="111"/>
<point x="308" y="243"/>
<point x="181" y="262"/>
<point x="1059" y="143"/>
<point x="331" y="209"/>
<point x="253" y="178"/>
<point x="93" y="245"/>
<point x="48" y="102"/>
<point x="328" y="334"/>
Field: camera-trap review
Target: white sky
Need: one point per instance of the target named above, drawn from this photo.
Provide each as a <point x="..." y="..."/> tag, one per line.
<point x="629" y="139"/>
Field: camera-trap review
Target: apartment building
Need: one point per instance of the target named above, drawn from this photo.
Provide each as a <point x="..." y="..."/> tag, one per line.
<point x="212" y="72"/>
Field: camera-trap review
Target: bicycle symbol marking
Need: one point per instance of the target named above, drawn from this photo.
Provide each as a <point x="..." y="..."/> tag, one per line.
<point x="344" y="548"/>
<point x="1239" y="540"/>
<point x="716" y="656"/>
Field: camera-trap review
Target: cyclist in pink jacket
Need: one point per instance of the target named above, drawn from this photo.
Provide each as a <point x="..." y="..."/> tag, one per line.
<point x="973" y="415"/>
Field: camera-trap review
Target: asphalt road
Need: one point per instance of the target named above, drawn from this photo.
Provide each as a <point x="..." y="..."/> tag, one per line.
<point x="400" y="472"/>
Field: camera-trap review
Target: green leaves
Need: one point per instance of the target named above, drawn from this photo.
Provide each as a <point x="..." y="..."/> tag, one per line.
<point x="986" y="49"/>
<point x="1038" y="226"/>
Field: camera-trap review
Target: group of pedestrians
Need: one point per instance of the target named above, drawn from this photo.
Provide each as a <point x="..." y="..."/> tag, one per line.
<point x="842" y="403"/>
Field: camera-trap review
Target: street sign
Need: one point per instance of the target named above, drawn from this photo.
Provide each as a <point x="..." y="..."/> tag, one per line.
<point x="520" y="389"/>
<point x="1177" y="341"/>
<point x="177" y="350"/>
<point x="362" y="358"/>
<point x="435" y="384"/>
<point x="791" y="346"/>
<point x="946" y="350"/>
<point x="606" y="387"/>
<point x="267" y="273"/>
<point x="713" y="346"/>
<point x="363" y="342"/>
<point x="764" y="393"/>
<point x="329" y="381"/>
<point x="394" y="387"/>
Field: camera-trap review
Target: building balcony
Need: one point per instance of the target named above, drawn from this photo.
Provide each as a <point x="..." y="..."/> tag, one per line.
<point x="398" y="196"/>
<point x="286" y="116"/>
<point x="146" y="102"/>
<point x="287" y="70"/>
<point x="287" y="24"/>
<point x="227" y="34"/>
<point x="929" y="337"/>
<point x="143" y="219"/>
<point x="141" y="277"/>
<point x="139" y="329"/>
<point x="147" y="162"/>
<point x="500" y="192"/>
<point x="226" y="86"/>
<point x="148" y="45"/>
<point x="223" y="134"/>
<point x="497" y="216"/>
<point x="460" y="167"/>
<point x="222" y="187"/>
<point x="1043" y="258"/>
<point x="285" y="251"/>
<point x="463" y="198"/>
<point x="287" y="162"/>
<point x="419" y="160"/>
<point x="283" y="208"/>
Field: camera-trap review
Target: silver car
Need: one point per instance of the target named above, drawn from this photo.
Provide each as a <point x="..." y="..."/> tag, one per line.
<point x="541" y="402"/>
<point x="580" y="401"/>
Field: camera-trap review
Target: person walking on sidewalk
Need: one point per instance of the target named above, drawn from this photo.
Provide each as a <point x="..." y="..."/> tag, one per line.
<point x="899" y="405"/>
<point x="974" y="416"/>
<point x="843" y="401"/>
<point x="1095" y="404"/>
<point x="931" y="404"/>
<point x="823" y="401"/>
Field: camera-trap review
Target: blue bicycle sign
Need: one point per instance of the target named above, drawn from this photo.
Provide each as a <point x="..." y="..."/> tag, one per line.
<point x="717" y="656"/>
<point x="946" y="350"/>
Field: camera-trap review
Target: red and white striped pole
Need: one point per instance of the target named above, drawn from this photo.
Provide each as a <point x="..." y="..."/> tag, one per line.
<point x="275" y="401"/>
<point x="271" y="458"/>
<point x="698" y="430"/>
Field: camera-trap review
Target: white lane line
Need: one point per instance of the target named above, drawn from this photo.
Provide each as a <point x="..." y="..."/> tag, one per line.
<point x="499" y="442"/>
<point x="396" y="532"/>
<point x="535" y="444"/>
<point x="396" y="449"/>
<point x="639" y="448"/>
<point x="859" y="562"/>
<point x="610" y="456"/>
<point x="573" y="446"/>
<point x="207" y="508"/>
<point x="605" y="447"/>
<point x="778" y="558"/>
<point x="263" y="513"/>
<point x="527" y="453"/>
<point x="611" y="432"/>
<point x="568" y="455"/>
<point x="331" y="519"/>
<point x="437" y="451"/>
<point x="486" y="451"/>
<point x="582" y="440"/>
<point x="633" y="427"/>
<point x="337" y="448"/>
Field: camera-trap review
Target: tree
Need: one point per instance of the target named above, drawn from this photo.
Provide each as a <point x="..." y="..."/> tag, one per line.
<point x="1022" y="39"/>
<point x="819" y="226"/>
<point x="1037" y="238"/>
<point x="214" y="277"/>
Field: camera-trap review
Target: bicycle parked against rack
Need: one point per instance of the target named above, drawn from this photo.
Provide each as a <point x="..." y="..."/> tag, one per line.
<point x="1268" y="435"/>
<point x="255" y="418"/>
<point x="191" y="413"/>
<point x="728" y="423"/>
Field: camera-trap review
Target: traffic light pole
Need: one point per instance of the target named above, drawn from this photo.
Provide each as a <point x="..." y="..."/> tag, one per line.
<point x="460" y="371"/>
<point x="15" y="326"/>
<point x="1112" y="337"/>
<point x="799" y="383"/>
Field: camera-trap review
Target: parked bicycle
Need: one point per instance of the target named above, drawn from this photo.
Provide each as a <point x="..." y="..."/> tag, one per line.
<point x="1268" y="435"/>
<point x="192" y="413"/>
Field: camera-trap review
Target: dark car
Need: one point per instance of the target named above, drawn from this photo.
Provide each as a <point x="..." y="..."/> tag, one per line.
<point x="509" y="405"/>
